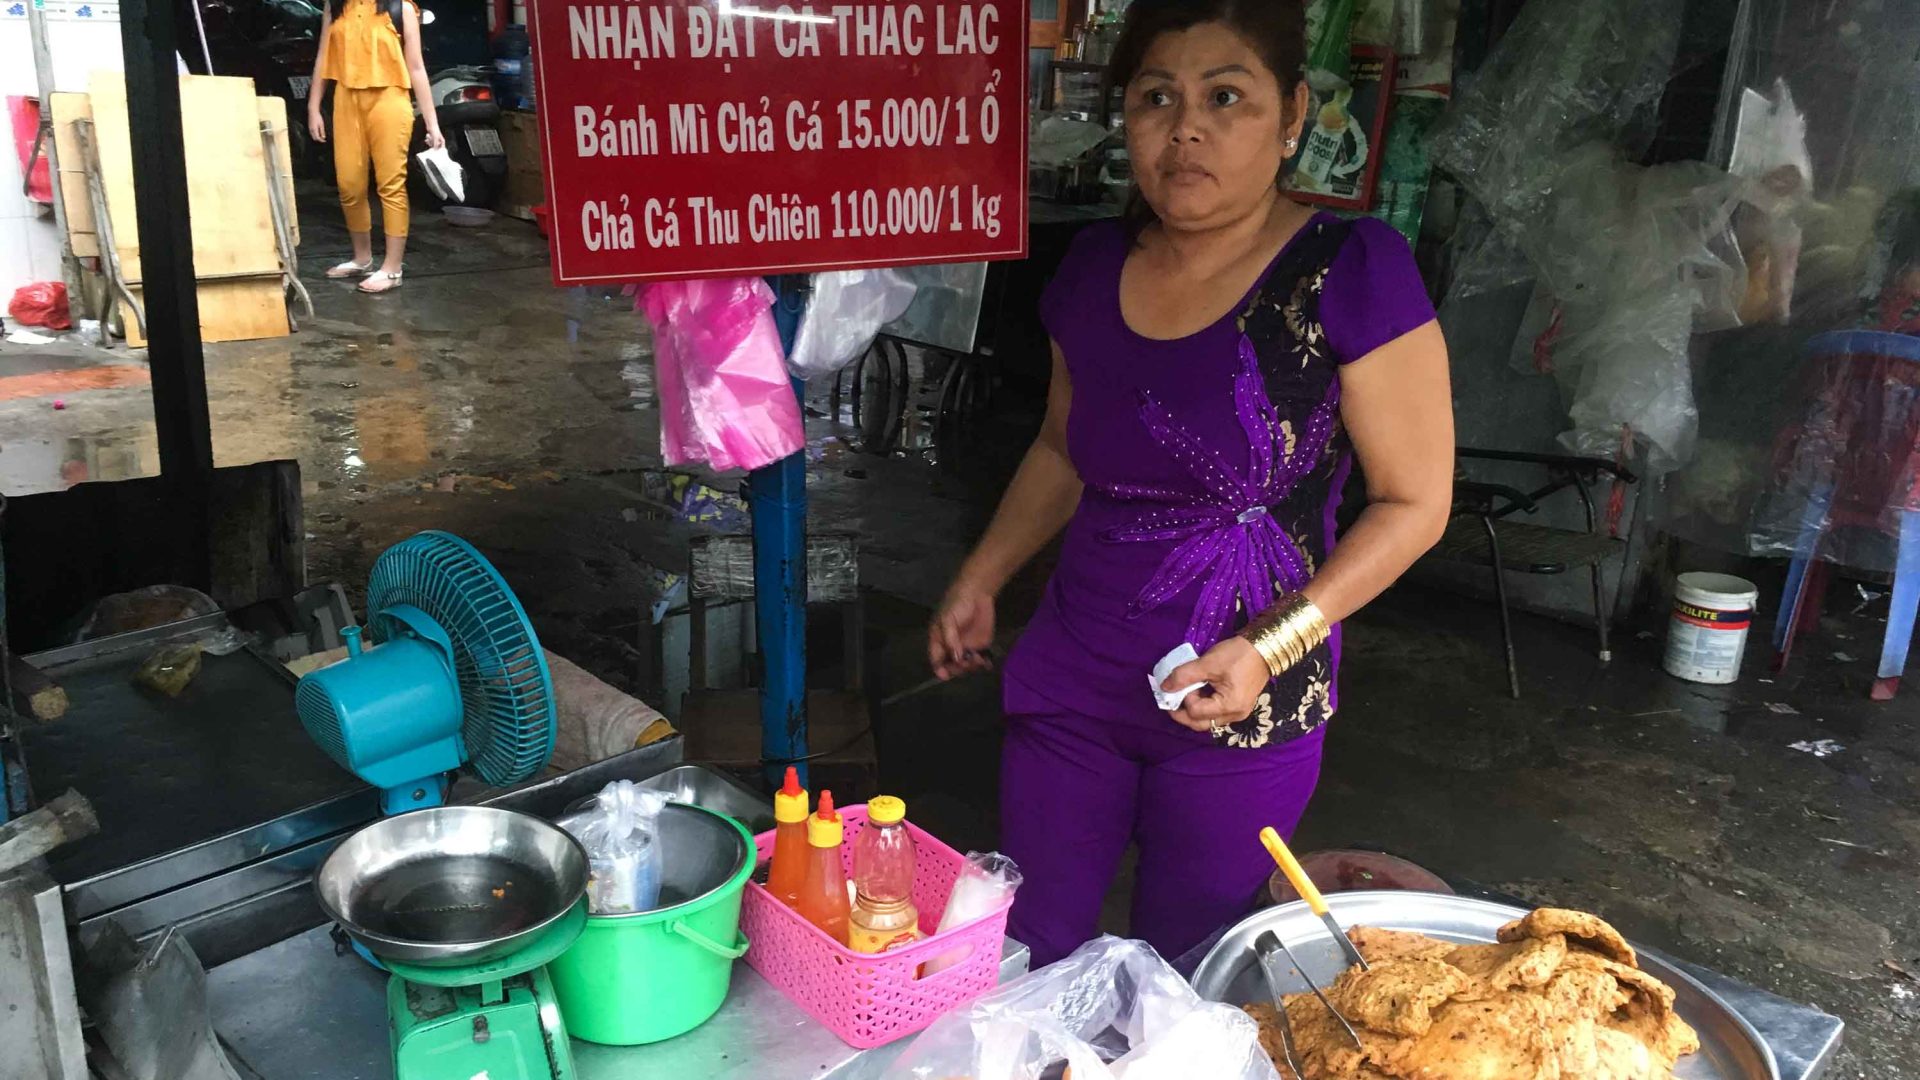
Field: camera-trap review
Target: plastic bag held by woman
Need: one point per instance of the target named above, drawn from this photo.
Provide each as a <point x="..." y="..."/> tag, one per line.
<point x="725" y="399"/>
<point x="1111" y="1011"/>
<point x="846" y="313"/>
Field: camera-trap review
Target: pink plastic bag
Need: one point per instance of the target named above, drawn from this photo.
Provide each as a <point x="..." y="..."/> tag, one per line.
<point x="725" y="398"/>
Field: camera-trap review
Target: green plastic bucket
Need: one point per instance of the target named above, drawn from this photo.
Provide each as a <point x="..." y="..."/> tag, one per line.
<point x="652" y="975"/>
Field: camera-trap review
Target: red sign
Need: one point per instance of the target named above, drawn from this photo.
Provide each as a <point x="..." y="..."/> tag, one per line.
<point x="699" y="138"/>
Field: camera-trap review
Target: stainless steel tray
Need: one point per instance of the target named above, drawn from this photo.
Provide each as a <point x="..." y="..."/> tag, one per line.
<point x="1730" y="1049"/>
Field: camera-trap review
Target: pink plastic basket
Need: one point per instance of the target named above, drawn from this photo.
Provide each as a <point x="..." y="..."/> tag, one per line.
<point x="869" y="1000"/>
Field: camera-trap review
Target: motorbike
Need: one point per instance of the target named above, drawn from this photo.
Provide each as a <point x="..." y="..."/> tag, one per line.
<point x="469" y="120"/>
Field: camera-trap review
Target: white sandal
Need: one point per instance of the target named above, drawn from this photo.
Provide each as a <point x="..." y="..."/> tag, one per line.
<point x="392" y="282"/>
<point x="351" y="269"/>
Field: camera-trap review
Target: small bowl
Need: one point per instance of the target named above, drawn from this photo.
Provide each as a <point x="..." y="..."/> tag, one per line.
<point x="1348" y="870"/>
<point x="453" y="885"/>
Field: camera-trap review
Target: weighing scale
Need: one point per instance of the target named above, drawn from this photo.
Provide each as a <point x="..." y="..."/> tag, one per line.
<point x="496" y="1019"/>
<point x="455" y="679"/>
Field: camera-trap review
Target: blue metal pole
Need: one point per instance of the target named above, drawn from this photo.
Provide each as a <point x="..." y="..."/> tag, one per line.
<point x="777" y="494"/>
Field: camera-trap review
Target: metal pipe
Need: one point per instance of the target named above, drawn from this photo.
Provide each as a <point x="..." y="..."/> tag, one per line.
<point x="777" y="494"/>
<point x="43" y="75"/>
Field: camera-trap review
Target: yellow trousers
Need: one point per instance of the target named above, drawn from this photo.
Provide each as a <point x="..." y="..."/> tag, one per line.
<point x="372" y="127"/>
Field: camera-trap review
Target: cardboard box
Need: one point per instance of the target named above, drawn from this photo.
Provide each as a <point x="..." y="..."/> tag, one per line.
<point x="526" y="185"/>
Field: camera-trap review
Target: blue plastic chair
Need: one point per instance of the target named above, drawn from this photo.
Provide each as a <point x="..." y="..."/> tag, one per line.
<point x="1806" y="576"/>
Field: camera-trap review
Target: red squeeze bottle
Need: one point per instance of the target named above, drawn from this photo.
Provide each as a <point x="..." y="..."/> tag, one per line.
<point x="787" y="875"/>
<point x="823" y="899"/>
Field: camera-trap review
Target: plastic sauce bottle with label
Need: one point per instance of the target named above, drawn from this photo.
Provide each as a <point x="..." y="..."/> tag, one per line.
<point x="823" y="899"/>
<point x="883" y="915"/>
<point x="787" y="874"/>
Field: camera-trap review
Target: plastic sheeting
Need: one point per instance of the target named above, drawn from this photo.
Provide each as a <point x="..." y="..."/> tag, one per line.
<point x="1567" y="74"/>
<point x="1806" y="438"/>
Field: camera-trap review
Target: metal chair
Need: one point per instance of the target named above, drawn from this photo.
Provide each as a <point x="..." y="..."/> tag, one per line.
<point x="1482" y="532"/>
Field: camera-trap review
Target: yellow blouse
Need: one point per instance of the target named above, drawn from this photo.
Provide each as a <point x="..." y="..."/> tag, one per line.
<point x="364" y="49"/>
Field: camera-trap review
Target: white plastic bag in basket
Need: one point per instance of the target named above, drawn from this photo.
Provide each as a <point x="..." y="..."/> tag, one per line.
<point x="1112" y="1011"/>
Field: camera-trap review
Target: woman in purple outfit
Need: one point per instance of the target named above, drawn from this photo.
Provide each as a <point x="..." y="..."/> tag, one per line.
<point x="1219" y="361"/>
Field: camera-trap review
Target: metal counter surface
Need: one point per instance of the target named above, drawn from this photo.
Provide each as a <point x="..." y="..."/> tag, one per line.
<point x="295" y="1011"/>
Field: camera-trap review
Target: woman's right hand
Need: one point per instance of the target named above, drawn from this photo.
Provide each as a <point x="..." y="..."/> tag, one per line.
<point x="961" y="632"/>
<point x="316" y="126"/>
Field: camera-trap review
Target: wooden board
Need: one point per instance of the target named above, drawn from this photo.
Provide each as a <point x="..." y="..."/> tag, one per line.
<point x="226" y="174"/>
<point x="273" y="112"/>
<point x="229" y="311"/>
<point x="73" y="172"/>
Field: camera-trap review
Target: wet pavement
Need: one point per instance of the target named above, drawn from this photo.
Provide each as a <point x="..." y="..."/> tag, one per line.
<point x="481" y="400"/>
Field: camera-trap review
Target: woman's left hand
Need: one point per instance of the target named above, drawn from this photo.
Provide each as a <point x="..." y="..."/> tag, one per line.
<point x="435" y="140"/>
<point x="1236" y="675"/>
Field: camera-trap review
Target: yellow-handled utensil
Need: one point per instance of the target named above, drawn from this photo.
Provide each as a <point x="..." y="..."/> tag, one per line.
<point x="1303" y="885"/>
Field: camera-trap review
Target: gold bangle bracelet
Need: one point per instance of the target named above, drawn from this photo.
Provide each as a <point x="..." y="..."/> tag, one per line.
<point x="1285" y="633"/>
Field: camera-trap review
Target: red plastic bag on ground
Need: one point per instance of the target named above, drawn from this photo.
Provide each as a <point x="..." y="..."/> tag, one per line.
<point x="44" y="303"/>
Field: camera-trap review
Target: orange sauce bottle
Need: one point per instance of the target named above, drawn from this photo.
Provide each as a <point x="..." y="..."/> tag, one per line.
<point x="787" y="874"/>
<point x="823" y="899"/>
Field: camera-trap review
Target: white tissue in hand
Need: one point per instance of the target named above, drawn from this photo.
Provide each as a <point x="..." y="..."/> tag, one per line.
<point x="1170" y="700"/>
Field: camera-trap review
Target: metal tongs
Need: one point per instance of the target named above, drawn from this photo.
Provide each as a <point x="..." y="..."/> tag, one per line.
<point x="1270" y="948"/>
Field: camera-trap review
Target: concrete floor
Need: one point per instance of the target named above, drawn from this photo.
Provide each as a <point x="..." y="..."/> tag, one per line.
<point x="481" y="400"/>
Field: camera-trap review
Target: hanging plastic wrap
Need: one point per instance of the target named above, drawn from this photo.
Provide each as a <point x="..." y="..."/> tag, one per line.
<point x="1630" y="263"/>
<point x="844" y="315"/>
<point x="725" y="398"/>
<point x="1112" y="1011"/>
<point x="1566" y="74"/>
<point x="1847" y="472"/>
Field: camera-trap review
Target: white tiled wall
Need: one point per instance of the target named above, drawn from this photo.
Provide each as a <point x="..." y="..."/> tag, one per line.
<point x="82" y="36"/>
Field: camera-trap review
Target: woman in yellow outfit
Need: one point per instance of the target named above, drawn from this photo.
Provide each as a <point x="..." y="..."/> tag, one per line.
<point x="370" y="50"/>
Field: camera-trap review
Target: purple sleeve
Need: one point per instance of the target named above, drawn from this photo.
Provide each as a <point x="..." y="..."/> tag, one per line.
<point x="1067" y="299"/>
<point x="1373" y="293"/>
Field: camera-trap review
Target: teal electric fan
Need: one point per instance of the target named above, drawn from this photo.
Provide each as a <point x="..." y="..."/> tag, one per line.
<point x="455" y="678"/>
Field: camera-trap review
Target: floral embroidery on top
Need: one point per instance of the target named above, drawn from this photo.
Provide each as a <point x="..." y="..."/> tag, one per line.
<point x="1229" y="539"/>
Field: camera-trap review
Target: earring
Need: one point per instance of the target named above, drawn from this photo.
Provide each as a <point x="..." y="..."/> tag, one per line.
<point x="1293" y="143"/>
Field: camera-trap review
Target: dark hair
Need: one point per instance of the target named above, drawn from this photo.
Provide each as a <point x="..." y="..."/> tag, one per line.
<point x="1277" y="30"/>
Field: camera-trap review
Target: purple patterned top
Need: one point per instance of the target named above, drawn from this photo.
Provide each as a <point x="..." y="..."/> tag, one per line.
<point x="1213" y="466"/>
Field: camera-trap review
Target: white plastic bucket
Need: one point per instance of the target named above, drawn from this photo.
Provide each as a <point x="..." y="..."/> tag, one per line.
<point x="1708" y="632"/>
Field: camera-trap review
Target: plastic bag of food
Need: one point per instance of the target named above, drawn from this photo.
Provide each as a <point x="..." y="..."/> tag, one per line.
<point x="620" y="831"/>
<point x="170" y="668"/>
<point x="983" y="888"/>
<point x="1112" y="1011"/>
<point x="846" y="313"/>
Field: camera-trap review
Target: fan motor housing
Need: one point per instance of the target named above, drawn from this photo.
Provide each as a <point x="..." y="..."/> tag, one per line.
<point x="391" y="714"/>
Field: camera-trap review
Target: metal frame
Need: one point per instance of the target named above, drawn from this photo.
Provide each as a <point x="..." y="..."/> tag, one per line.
<point x="1493" y="502"/>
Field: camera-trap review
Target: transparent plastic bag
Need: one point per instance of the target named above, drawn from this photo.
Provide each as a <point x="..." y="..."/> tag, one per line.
<point x="846" y="312"/>
<point x="1112" y="1011"/>
<point x="725" y="398"/>
<point x="619" y="829"/>
<point x="989" y="880"/>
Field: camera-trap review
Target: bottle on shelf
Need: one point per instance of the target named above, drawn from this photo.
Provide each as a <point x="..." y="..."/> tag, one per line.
<point x="883" y="915"/>
<point x="823" y="899"/>
<point x="787" y="874"/>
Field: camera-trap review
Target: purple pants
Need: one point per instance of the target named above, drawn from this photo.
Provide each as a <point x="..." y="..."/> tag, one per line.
<point x="1075" y="790"/>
